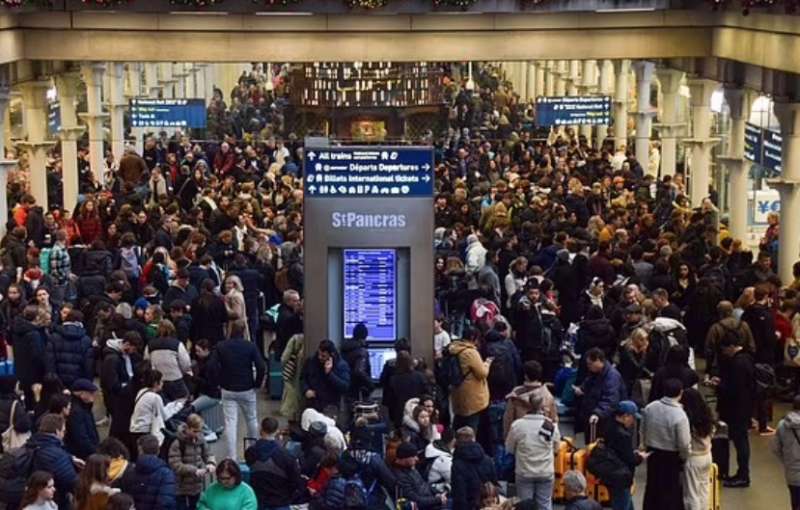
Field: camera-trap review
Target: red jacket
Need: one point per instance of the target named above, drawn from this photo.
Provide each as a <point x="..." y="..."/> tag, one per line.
<point x="223" y="163"/>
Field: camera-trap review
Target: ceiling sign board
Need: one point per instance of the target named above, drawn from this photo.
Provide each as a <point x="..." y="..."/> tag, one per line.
<point x="573" y="111"/>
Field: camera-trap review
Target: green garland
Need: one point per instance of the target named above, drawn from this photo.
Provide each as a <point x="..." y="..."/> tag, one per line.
<point x="276" y="3"/>
<point x="461" y="4"/>
<point x="365" y="4"/>
<point x="195" y="3"/>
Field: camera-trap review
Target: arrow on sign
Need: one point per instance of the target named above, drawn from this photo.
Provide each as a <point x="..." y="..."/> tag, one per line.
<point x="312" y="189"/>
<point x="426" y="178"/>
<point x="426" y="167"/>
<point x="312" y="155"/>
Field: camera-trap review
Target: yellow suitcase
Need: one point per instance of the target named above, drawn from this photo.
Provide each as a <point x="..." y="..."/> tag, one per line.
<point x="714" y="496"/>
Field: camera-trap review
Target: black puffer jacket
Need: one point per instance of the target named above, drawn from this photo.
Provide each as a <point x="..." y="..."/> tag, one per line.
<point x="471" y="469"/>
<point x="596" y="332"/>
<point x="354" y="352"/>
<point x="29" y="342"/>
<point x="69" y="353"/>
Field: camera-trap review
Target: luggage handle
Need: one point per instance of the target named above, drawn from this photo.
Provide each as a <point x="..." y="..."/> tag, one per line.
<point x="592" y="433"/>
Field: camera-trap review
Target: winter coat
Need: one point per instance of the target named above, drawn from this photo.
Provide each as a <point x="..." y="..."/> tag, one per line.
<point x="786" y="446"/>
<point x="274" y="474"/>
<point x="596" y="333"/>
<point x="472" y="395"/>
<point x="170" y="357"/>
<point x="441" y="465"/>
<point x="762" y="325"/>
<point x="602" y="392"/>
<point x="186" y="456"/>
<point x="97" y="262"/>
<point x="98" y="497"/>
<point x="471" y="469"/>
<point x="618" y="439"/>
<point x="405" y="386"/>
<point x="567" y="282"/>
<point x="412" y="487"/>
<point x="237" y="311"/>
<point x="506" y="369"/>
<point x="51" y="456"/>
<point x="21" y="419"/>
<point x="152" y="484"/>
<point x="533" y="439"/>
<point x="115" y="379"/>
<point x="29" y="347"/>
<point x="583" y="503"/>
<point x="292" y="398"/>
<point x="208" y="319"/>
<point x="632" y="367"/>
<point x="234" y="361"/>
<point x="217" y="497"/>
<point x="329" y="388"/>
<point x="187" y="295"/>
<point x="354" y="352"/>
<point x="69" y="353"/>
<point x="737" y="389"/>
<point x="81" y="438"/>
<point x="683" y="373"/>
<point x="148" y="414"/>
<point x="518" y="404"/>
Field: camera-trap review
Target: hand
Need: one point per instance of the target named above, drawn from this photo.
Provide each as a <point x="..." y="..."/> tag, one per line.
<point x="201" y="472"/>
<point x="311" y="394"/>
<point x="328" y="365"/>
<point x="489" y="360"/>
<point x="210" y="467"/>
<point x="643" y="454"/>
<point x="578" y="391"/>
<point x="593" y="419"/>
<point x="79" y="464"/>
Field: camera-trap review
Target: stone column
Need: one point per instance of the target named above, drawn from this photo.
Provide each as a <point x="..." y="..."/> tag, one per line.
<point x="94" y="116"/>
<point x="152" y="87"/>
<point x="606" y="87"/>
<point x="669" y="129"/>
<point x="180" y="74"/>
<point x="34" y="99"/>
<point x="551" y="74"/>
<point x="540" y="79"/>
<point x="588" y="83"/>
<point x="68" y="85"/>
<point x="167" y="80"/>
<point x="5" y="164"/>
<point x="562" y="72"/>
<point x="530" y="68"/>
<point x="116" y="105"/>
<point x="622" y="69"/>
<point x="739" y="101"/>
<point x="788" y="185"/>
<point x="133" y="90"/>
<point x="522" y="79"/>
<point x="701" y="141"/>
<point x="574" y="77"/>
<point x="644" y="115"/>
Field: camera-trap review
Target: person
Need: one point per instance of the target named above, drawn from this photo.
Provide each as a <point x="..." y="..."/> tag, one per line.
<point x="326" y="377"/>
<point x="471" y="469"/>
<point x="438" y="455"/>
<point x="120" y="466"/>
<point x="69" y="352"/>
<point x="761" y="320"/>
<point x="81" y="438"/>
<point x="13" y="414"/>
<point x="236" y="307"/>
<point x="470" y="398"/>
<point x="40" y="491"/>
<point x="676" y="367"/>
<point x="667" y="437"/>
<point x="190" y="460"/>
<point x="180" y="289"/>
<point x="290" y="318"/>
<point x="696" y="471"/>
<point x="152" y="483"/>
<point x="274" y="473"/>
<point x="786" y="446"/>
<point x="736" y="397"/>
<point x="354" y="352"/>
<point x="518" y="401"/>
<point x="418" y="427"/>
<point x="121" y="357"/>
<point x="292" y="363"/>
<point x="120" y="501"/>
<point x="632" y="364"/>
<point x="148" y="411"/>
<point x="29" y="338"/>
<point x="93" y="489"/>
<point x="229" y="492"/>
<point x="618" y="439"/>
<point x="600" y="392"/>
<point x="370" y="465"/>
<point x="169" y="356"/>
<point x="406" y="383"/>
<point x="51" y="456"/>
<point x="575" y="488"/>
<point x="209" y="315"/>
<point x="240" y="371"/>
<point x="533" y="440"/>
<point x="410" y="484"/>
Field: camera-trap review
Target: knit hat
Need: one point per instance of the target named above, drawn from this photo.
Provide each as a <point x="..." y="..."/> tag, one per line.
<point x="406" y="451"/>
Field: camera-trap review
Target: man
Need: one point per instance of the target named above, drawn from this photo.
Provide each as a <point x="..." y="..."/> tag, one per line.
<point x="181" y="320"/>
<point x="69" y="353"/>
<point x="120" y="359"/>
<point x="410" y="484"/>
<point x="600" y="392"/>
<point x="132" y="168"/>
<point x="326" y="377"/>
<point x="736" y="393"/>
<point x="470" y="398"/>
<point x="236" y="360"/>
<point x="518" y="401"/>
<point x="664" y="307"/>
<point x="786" y="446"/>
<point x="760" y="318"/>
<point x="619" y="439"/>
<point x="60" y="268"/>
<point x="726" y="325"/>
<point x="471" y="469"/>
<point x="290" y="318"/>
<point x="181" y="289"/>
<point x="533" y="440"/>
<point x="354" y="352"/>
<point x="50" y="456"/>
<point x="82" y="439"/>
<point x="274" y="473"/>
<point x="667" y="437"/>
<point x="575" y="488"/>
<point x="152" y="483"/>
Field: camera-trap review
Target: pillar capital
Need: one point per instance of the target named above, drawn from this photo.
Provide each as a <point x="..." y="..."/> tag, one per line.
<point x="34" y="93"/>
<point x="788" y="116"/>
<point x="670" y="80"/>
<point x="93" y="117"/>
<point x="68" y="84"/>
<point x="92" y="73"/>
<point x="71" y="133"/>
<point x="701" y="90"/>
<point x="34" y="147"/>
<point x="644" y="70"/>
<point x="739" y="100"/>
<point x="783" y="185"/>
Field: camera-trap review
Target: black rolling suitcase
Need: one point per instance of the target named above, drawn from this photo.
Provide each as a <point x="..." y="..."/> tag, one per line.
<point x="720" y="449"/>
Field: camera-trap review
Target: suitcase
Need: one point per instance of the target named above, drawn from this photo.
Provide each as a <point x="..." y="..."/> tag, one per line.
<point x="7" y="367"/>
<point x="714" y="496"/>
<point x="275" y="382"/>
<point x="720" y="450"/>
<point x="562" y="465"/>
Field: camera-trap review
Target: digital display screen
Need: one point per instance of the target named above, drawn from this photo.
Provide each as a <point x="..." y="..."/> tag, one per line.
<point x="370" y="292"/>
<point x="187" y="113"/>
<point x="378" y="356"/>
<point x="573" y="111"/>
<point x="53" y="118"/>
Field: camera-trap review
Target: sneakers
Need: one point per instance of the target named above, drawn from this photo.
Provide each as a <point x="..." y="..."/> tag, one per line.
<point x="736" y="483"/>
<point x="769" y="431"/>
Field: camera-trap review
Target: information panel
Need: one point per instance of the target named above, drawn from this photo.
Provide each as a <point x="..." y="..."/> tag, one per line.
<point x="763" y="147"/>
<point x="753" y="143"/>
<point x="53" y="118"/>
<point x="369" y="172"/>
<point x="187" y="113"/>
<point x="573" y="110"/>
<point x="370" y="292"/>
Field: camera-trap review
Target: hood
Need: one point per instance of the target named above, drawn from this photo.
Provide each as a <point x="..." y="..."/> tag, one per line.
<point x="667" y="324"/>
<point x="456" y="347"/>
<point x="113" y="345"/>
<point x="149" y="464"/>
<point x="792" y="420"/>
<point x="469" y="452"/>
<point x="434" y="451"/>
<point x="71" y="331"/>
<point x="181" y="434"/>
<point x="350" y="344"/>
<point x="263" y="448"/>
<point x="39" y="440"/>
<point x="22" y="326"/>
<point x="408" y="414"/>
<point x="522" y="394"/>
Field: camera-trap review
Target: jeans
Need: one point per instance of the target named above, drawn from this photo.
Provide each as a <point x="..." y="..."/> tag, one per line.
<point x="738" y="434"/>
<point x="186" y="502"/>
<point x="621" y="498"/>
<point x="204" y="402"/>
<point x="538" y="489"/>
<point x="794" y="495"/>
<point x="231" y="402"/>
<point x="472" y="421"/>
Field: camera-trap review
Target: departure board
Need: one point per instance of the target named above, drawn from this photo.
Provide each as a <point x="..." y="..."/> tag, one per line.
<point x="188" y="113"/>
<point x="370" y="292"/>
<point x="573" y="111"/>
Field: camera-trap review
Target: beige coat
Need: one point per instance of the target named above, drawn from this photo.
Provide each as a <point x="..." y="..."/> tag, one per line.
<point x="472" y="395"/>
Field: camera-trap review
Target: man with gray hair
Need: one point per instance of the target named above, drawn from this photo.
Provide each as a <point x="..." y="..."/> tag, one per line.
<point x="575" y="485"/>
<point x="290" y="319"/>
<point x="533" y="440"/>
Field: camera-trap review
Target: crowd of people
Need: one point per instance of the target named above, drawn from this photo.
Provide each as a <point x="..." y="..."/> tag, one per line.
<point x="574" y="291"/>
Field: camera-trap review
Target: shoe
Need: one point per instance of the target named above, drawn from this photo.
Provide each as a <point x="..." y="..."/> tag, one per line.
<point x="769" y="431"/>
<point x="736" y="483"/>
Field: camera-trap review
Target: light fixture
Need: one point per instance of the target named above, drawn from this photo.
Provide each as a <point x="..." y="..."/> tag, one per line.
<point x="470" y="85"/>
<point x="200" y="13"/>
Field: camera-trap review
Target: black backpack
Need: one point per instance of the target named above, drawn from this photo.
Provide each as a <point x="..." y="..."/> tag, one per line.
<point x="450" y="374"/>
<point x="15" y="468"/>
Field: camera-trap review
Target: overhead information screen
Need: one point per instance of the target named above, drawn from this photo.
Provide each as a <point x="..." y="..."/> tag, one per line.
<point x="187" y="113"/>
<point x="573" y="111"/>
<point x="370" y="292"/>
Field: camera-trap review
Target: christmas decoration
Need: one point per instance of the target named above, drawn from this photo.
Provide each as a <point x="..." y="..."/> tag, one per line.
<point x="461" y="4"/>
<point x="365" y="4"/>
<point x="195" y="3"/>
<point x="276" y="3"/>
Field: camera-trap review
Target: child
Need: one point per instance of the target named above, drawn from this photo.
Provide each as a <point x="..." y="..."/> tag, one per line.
<point x="326" y="470"/>
<point x="190" y="460"/>
<point x="39" y="492"/>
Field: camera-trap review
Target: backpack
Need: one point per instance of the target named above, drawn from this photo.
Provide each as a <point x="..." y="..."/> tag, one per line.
<point x="484" y="312"/>
<point x="450" y="374"/>
<point x="15" y="468"/>
<point x="661" y="339"/>
<point x="129" y="262"/>
<point x="44" y="260"/>
<point x="765" y="377"/>
<point x="356" y="496"/>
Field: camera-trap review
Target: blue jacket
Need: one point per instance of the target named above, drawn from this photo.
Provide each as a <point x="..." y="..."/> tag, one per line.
<point x="152" y="484"/>
<point x="602" y="392"/>
<point x="69" y="353"/>
<point x="51" y="456"/>
<point x="333" y="495"/>
<point x="234" y="361"/>
<point x="471" y="469"/>
<point x="29" y="341"/>
<point x="329" y="387"/>
<point x="81" y="439"/>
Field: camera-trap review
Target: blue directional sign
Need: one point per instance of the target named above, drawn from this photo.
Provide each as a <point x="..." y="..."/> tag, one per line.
<point x="368" y="172"/>
<point x="773" y="150"/>
<point x="53" y="118"/>
<point x="764" y="147"/>
<point x="187" y="113"/>
<point x="573" y="111"/>
<point x="753" y="143"/>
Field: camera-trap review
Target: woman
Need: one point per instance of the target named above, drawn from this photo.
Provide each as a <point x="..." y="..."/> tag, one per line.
<point x="632" y="364"/>
<point x="169" y="356"/>
<point x="118" y="455"/>
<point x="39" y="492"/>
<point x="209" y="314"/>
<point x="292" y="363"/>
<point x="696" y="484"/>
<point x="148" y="410"/>
<point x="42" y="298"/>
<point x="235" y="305"/>
<point x="685" y="282"/>
<point x="89" y="224"/>
<point x="406" y="383"/>
<point x="418" y="429"/>
<point x="13" y="304"/>
<point x="13" y="416"/>
<point x="50" y="387"/>
<point x="229" y="492"/>
<point x="516" y="278"/>
<point x="93" y="488"/>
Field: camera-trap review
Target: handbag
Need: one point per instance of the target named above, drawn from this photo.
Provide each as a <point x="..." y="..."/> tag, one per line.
<point x="11" y="438"/>
<point x="606" y="465"/>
